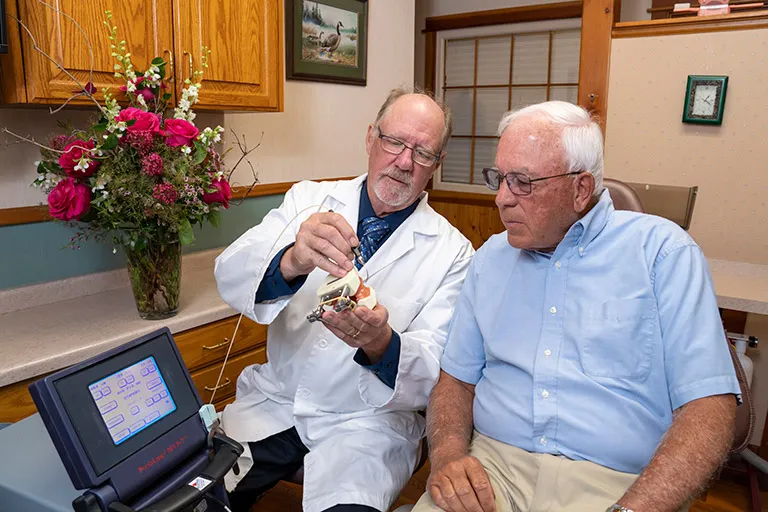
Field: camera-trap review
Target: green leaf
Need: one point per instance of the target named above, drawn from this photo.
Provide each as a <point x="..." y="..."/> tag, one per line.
<point x="166" y="96"/>
<point x="100" y="127"/>
<point x="110" y="143"/>
<point x="186" y="235"/>
<point x="214" y="217"/>
<point x="200" y="153"/>
<point x="157" y="61"/>
<point x="130" y="122"/>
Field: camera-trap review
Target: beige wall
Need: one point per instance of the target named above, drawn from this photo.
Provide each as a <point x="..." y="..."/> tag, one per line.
<point x="647" y="142"/>
<point x="321" y="134"/>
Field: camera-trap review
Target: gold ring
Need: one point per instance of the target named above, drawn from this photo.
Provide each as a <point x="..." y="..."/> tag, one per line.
<point x="358" y="332"/>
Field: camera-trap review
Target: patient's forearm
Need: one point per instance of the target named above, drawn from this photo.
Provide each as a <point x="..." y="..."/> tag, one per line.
<point x="449" y="417"/>
<point x="693" y="449"/>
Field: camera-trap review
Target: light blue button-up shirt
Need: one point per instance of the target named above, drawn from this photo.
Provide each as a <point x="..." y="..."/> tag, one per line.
<point x="585" y="352"/>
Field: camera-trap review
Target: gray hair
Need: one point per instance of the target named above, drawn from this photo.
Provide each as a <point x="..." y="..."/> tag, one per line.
<point x="398" y="93"/>
<point x="582" y="138"/>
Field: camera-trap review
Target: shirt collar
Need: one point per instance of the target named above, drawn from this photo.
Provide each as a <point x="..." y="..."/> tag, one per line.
<point x="393" y="220"/>
<point x="589" y="226"/>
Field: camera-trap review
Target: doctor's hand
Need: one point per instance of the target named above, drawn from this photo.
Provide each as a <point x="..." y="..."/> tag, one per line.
<point x="321" y="238"/>
<point x="362" y="328"/>
<point x="459" y="483"/>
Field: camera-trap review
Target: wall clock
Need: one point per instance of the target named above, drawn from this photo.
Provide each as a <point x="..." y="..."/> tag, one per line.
<point x="705" y="99"/>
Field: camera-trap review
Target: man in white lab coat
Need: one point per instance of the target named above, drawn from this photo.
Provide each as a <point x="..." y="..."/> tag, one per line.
<point x="341" y="396"/>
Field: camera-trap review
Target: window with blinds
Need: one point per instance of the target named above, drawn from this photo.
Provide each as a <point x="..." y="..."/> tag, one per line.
<point x="485" y="76"/>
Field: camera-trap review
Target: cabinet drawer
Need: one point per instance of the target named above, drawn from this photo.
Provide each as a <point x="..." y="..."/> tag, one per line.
<point x="16" y="402"/>
<point x="208" y="344"/>
<point x="221" y="404"/>
<point x="205" y="379"/>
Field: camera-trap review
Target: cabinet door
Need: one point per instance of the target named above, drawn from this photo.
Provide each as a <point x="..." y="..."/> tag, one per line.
<point x="145" y="25"/>
<point x="245" y="38"/>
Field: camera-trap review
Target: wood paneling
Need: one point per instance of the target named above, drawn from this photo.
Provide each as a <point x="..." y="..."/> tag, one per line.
<point x="429" y="61"/>
<point x="145" y="25"/>
<point x="475" y="215"/>
<point x="245" y="70"/>
<point x="16" y="402"/>
<point x="205" y="380"/>
<point x="554" y="11"/>
<point x="12" y="86"/>
<point x="596" y="24"/>
<point x="693" y="25"/>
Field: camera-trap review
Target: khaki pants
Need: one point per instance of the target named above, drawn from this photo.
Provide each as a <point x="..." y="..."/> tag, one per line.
<point x="531" y="482"/>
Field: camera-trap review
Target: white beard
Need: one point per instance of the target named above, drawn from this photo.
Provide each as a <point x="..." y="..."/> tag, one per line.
<point x="394" y="195"/>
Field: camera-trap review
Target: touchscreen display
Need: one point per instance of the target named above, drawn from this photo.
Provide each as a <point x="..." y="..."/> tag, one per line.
<point x="132" y="399"/>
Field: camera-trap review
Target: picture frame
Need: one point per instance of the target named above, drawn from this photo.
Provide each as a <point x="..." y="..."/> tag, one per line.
<point x="705" y="99"/>
<point x="327" y="41"/>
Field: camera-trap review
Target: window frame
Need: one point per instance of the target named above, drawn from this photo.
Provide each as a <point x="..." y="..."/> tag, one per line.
<point x="484" y="32"/>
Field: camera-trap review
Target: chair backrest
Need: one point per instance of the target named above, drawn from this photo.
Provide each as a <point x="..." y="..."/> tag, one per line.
<point x="624" y="197"/>
<point x="745" y="413"/>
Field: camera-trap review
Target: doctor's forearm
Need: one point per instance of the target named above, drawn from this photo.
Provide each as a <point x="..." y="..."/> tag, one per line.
<point x="693" y="449"/>
<point x="449" y="417"/>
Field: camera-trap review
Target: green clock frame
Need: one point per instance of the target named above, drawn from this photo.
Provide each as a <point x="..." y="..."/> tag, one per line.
<point x="721" y="82"/>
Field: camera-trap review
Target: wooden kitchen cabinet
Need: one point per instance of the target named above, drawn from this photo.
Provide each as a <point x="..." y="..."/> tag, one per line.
<point x="202" y="348"/>
<point x="245" y="37"/>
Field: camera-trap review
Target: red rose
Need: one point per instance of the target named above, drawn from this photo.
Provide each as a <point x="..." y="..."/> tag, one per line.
<point x="69" y="200"/>
<point x="72" y="155"/>
<point x="222" y="193"/>
<point x="179" y="132"/>
<point x="145" y="121"/>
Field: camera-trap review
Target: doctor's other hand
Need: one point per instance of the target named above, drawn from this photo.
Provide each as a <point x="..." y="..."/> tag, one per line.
<point x="321" y="238"/>
<point x="363" y="328"/>
<point x="459" y="483"/>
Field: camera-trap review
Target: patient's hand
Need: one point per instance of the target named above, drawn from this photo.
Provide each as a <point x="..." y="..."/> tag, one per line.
<point x="362" y="328"/>
<point x="459" y="483"/>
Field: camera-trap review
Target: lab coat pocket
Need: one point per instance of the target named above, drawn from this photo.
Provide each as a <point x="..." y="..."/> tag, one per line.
<point x="401" y="312"/>
<point x="616" y="339"/>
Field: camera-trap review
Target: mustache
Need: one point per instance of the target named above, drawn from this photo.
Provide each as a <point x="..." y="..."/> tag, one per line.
<point x="399" y="175"/>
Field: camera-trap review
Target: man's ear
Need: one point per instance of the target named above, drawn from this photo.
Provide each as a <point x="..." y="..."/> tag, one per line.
<point x="370" y="137"/>
<point x="583" y="188"/>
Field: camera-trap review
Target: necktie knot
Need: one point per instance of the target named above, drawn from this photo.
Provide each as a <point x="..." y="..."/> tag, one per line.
<point x="373" y="230"/>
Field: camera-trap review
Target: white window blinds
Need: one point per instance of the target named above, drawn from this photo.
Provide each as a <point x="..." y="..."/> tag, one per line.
<point x="485" y="76"/>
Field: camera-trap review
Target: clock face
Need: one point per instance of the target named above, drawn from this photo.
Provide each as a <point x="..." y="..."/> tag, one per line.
<point x="704" y="98"/>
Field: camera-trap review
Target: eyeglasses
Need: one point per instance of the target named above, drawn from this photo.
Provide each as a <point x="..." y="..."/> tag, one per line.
<point x="518" y="183"/>
<point x="419" y="155"/>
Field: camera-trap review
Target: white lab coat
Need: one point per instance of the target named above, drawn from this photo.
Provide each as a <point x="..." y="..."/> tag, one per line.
<point x="363" y="437"/>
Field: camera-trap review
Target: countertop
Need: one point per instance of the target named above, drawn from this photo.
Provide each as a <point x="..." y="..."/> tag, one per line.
<point x="53" y="325"/>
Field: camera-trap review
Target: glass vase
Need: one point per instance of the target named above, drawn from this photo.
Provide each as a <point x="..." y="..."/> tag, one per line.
<point x="154" y="267"/>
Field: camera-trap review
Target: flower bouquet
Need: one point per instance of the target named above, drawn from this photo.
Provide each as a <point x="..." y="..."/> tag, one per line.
<point x="139" y="176"/>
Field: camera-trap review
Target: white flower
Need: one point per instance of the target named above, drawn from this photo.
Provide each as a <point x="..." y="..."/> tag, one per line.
<point x="186" y="150"/>
<point x="131" y="87"/>
<point x="114" y="250"/>
<point x="184" y="104"/>
<point x="141" y="101"/>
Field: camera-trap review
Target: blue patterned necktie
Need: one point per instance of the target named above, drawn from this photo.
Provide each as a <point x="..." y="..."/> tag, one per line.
<point x="373" y="230"/>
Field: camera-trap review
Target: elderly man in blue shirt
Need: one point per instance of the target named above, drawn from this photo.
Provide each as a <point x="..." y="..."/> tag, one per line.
<point x="586" y="367"/>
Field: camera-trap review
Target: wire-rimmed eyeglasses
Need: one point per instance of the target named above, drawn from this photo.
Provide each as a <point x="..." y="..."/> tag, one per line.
<point x="419" y="155"/>
<point x="518" y="182"/>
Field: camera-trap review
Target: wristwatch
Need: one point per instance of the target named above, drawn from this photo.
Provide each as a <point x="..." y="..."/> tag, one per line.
<point x="618" y="508"/>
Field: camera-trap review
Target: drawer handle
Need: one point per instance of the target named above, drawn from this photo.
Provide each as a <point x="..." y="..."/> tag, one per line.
<point x="218" y="345"/>
<point x="226" y="383"/>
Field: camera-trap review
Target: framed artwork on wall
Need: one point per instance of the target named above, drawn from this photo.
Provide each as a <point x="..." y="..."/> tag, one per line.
<point x="327" y="40"/>
<point x="705" y="99"/>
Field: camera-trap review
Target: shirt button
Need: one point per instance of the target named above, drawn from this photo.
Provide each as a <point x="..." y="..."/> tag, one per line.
<point x="322" y="344"/>
<point x="545" y="394"/>
<point x="558" y="265"/>
<point x="543" y="440"/>
<point x="581" y="250"/>
<point x="547" y="352"/>
<point x="553" y="310"/>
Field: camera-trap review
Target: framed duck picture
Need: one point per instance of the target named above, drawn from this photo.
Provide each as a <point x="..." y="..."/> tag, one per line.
<point x="327" y="40"/>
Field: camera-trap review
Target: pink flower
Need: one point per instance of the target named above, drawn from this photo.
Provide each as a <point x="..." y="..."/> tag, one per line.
<point x="222" y="193"/>
<point x="165" y="193"/>
<point x="145" y="121"/>
<point x="152" y="165"/>
<point x="59" y="142"/>
<point x="141" y="141"/>
<point x="69" y="200"/>
<point x="179" y="132"/>
<point x="72" y="155"/>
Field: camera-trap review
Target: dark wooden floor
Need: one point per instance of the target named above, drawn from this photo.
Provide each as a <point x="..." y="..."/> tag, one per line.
<point x="725" y="495"/>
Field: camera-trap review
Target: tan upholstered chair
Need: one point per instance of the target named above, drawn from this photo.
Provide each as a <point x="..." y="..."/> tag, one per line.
<point x="624" y="197"/>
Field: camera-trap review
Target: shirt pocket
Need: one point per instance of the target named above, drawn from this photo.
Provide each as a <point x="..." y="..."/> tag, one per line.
<point x="401" y="312"/>
<point x="617" y="338"/>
